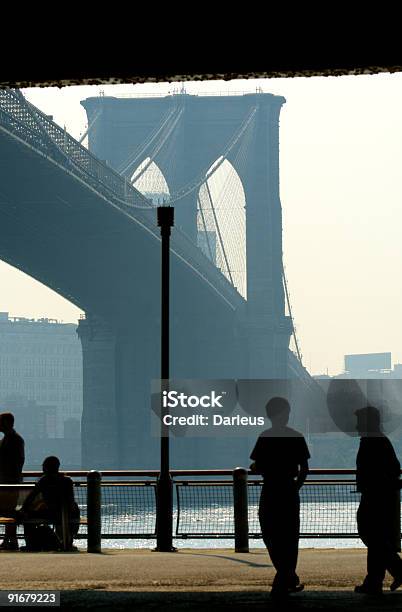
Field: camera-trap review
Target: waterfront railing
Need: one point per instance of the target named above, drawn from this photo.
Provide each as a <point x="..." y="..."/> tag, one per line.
<point x="207" y="504"/>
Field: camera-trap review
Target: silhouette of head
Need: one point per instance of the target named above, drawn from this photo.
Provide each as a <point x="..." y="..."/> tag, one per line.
<point x="6" y="421"/>
<point x="51" y="465"/>
<point x="278" y="411"/>
<point x="368" y="421"/>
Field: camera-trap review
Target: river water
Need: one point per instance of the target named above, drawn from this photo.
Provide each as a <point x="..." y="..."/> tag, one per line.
<point x="316" y="518"/>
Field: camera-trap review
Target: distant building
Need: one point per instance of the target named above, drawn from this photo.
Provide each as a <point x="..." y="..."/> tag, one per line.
<point x="38" y="426"/>
<point x="41" y="362"/>
<point x="358" y="366"/>
<point x="367" y="365"/>
<point x="371" y="365"/>
<point x="72" y="429"/>
<point x="32" y="421"/>
<point x="397" y="371"/>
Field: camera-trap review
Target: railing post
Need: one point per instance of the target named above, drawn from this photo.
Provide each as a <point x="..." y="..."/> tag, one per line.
<point x="240" y="506"/>
<point x="94" y="511"/>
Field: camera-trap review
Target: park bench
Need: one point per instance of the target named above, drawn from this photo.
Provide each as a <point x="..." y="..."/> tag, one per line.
<point x="12" y="496"/>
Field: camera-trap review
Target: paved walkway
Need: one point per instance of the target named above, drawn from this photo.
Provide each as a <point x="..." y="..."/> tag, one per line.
<point x="191" y="579"/>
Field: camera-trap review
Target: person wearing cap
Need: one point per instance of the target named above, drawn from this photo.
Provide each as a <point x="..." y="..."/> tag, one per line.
<point x="281" y="456"/>
<point x="378" y="515"/>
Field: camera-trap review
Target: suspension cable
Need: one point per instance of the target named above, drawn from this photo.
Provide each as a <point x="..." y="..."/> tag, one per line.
<point x="219" y="232"/>
<point x="138" y="153"/>
<point x="90" y="126"/>
<point x="205" y="229"/>
<point x="290" y="313"/>
<point x="191" y="186"/>
<point x="157" y="148"/>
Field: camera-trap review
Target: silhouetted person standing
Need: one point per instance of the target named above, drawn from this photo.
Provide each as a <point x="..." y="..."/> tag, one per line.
<point x="378" y="515"/>
<point x="12" y="457"/>
<point x="281" y="456"/>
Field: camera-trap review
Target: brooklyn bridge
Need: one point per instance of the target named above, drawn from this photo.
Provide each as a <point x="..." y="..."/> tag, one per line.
<point x="82" y="221"/>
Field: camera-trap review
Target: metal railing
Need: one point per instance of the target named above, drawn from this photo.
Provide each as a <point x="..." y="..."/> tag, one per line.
<point x="229" y="509"/>
<point x="192" y="92"/>
<point x="27" y="122"/>
<point x="212" y="504"/>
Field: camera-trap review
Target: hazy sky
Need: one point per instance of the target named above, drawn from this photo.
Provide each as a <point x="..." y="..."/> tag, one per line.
<point x="341" y="193"/>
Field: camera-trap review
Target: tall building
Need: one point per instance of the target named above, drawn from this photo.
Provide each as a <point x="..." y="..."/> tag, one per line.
<point x="367" y="364"/>
<point x="32" y="421"/>
<point x="41" y="362"/>
<point x="371" y="365"/>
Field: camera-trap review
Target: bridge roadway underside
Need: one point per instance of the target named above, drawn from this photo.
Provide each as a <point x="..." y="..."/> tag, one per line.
<point x="66" y="235"/>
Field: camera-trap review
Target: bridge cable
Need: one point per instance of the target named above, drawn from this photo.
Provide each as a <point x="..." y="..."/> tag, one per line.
<point x="140" y="151"/>
<point x="205" y="231"/>
<point x="290" y="313"/>
<point x="90" y="126"/>
<point x="219" y="232"/>
<point x="197" y="183"/>
<point x="189" y="188"/>
<point x="153" y="180"/>
<point x="227" y="194"/>
<point x="157" y="149"/>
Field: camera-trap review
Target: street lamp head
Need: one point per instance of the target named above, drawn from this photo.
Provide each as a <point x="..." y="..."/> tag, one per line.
<point x="165" y="216"/>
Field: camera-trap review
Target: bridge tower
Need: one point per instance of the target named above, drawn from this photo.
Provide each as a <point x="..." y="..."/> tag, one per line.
<point x="203" y="126"/>
<point x="185" y="135"/>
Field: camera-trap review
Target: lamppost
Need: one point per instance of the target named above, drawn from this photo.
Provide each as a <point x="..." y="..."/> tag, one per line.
<point x="164" y="504"/>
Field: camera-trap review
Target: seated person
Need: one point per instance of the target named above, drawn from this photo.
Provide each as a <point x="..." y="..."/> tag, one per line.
<point x="46" y="501"/>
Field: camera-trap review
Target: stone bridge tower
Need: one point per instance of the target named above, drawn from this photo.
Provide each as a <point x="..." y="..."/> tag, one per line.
<point x="206" y="125"/>
<point x="203" y="128"/>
